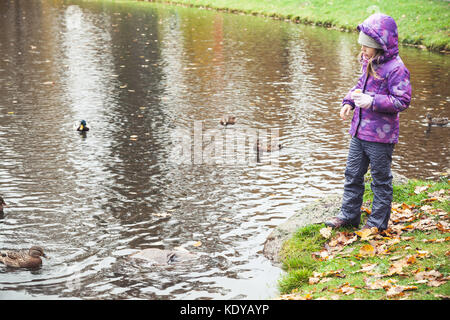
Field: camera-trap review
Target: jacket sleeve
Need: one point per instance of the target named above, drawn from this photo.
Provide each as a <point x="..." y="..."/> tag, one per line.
<point x="348" y="99"/>
<point x="399" y="96"/>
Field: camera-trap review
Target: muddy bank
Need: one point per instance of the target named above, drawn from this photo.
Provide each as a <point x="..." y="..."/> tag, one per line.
<point x="316" y="212"/>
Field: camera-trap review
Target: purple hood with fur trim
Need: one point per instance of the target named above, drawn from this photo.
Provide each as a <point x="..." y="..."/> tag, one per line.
<point x="391" y="92"/>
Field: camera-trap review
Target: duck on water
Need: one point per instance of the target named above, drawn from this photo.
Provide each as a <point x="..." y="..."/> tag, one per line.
<point x="30" y="259"/>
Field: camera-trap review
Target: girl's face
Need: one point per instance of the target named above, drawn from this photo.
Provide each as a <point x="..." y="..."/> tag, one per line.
<point x="368" y="52"/>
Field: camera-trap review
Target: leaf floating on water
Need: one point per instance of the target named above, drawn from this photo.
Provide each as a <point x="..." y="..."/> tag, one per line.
<point x="197" y="244"/>
<point x="162" y="214"/>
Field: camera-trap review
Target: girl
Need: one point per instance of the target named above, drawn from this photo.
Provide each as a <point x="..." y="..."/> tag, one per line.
<point x="382" y="91"/>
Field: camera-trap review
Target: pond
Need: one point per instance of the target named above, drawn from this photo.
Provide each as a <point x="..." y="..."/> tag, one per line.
<point x="156" y="169"/>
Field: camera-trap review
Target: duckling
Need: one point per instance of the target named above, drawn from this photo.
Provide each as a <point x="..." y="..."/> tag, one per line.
<point x="226" y="120"/>
<point x="436" y="121"/>
<point x="23" y="258"/>
<point x="83" y="127"/>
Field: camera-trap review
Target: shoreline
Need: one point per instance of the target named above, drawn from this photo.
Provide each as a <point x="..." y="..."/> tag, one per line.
<point x="316" y="212"/>
<point x="345" y="264"/>
<point x="296" y="18"/>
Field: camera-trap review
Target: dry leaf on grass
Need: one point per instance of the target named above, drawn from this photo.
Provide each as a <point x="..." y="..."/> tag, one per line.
<point x="326" y="232"/>
<point x="367" y="250"/>
<point x="432" y="278"/>
<point x="420" y="189"/>
<point x="398" y="290"/>
<point x="379" y="284"/>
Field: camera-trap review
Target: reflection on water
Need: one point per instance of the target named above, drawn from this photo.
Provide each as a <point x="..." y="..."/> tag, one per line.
<point x="140" y="74"/>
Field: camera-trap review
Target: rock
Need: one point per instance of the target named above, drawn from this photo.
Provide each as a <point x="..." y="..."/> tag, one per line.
<point x="316" y="212"/>
<point x="163" y="257"/>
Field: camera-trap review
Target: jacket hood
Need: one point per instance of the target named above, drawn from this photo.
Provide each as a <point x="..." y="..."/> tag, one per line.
<point x="383" y="29"/>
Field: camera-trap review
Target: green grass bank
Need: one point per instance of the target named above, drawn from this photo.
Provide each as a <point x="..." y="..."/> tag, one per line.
<point x="421" y="23"/>
<point x="408" y="261"/>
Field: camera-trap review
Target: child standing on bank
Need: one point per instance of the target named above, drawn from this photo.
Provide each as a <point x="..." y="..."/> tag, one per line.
<point x="382" y="91"/>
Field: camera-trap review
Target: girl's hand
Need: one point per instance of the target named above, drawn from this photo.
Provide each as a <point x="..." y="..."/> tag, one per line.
<point x="345" y="111"/>
<point x="362" y="100"/>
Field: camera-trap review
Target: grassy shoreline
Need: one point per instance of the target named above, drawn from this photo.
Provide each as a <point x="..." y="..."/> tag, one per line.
<point x="421" y="24"/>
<point x="409" y="261"/>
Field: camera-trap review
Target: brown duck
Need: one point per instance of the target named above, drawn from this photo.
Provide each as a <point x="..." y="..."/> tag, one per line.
<point x="226" y="120"/>
<point x="23" y="258"/>
<point x="2" y="205"/>
<point x="436" y="121"/>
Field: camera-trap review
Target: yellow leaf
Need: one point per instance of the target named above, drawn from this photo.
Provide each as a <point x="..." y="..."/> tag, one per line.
<point x="429" y="200"/>
<point x="366" y="233"/>
<point x="367" y="250"/>
<point x="197" y="244"/>
<point x="366" y="210"/>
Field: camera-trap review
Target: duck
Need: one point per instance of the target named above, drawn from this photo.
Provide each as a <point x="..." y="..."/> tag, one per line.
<point x="2" y="205"/>
<point x="23" y="258"/>
<point x="82" y="127"/>
<point x="436" y="121"/>
<point x="226" y="120"/>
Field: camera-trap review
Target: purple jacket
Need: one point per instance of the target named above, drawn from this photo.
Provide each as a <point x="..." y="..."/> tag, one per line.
<point x="391" y="92"/>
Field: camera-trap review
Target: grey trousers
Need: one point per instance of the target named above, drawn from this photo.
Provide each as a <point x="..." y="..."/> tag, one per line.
<point x="379" y="155"/>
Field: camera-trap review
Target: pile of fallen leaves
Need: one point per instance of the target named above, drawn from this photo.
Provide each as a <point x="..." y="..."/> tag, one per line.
<point x="389" y="244"/>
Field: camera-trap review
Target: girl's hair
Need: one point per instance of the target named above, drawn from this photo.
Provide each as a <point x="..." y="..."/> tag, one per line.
<point x="370" y="69"/>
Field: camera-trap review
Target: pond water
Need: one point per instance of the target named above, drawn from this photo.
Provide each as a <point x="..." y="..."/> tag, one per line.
<point x="150" y="80"/>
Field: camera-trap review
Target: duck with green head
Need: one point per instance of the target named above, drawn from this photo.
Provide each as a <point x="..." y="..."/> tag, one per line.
<point x="82" y="127"/>
<point x="30" y="259"/>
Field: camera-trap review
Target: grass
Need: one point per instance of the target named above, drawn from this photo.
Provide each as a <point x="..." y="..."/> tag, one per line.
<point x="298" y="261"/>
<point x="424" y="23"/>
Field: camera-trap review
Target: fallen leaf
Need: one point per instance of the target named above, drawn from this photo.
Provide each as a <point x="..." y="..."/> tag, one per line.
<point x="197" y="244"/>
<point x="347" y="290"/>
<point x="325" y="232"/>
<point x="367" y="250"/>
<point x="367" y="234"/>
<point x="429" y="199"/>
<point x="313" y="280"/>
<point x="161" y="215"/>
<point x="420" y="189"/>
<point x="379" y="284"/>
<point x="398" y="290"/>
<point x="367" y="267"/>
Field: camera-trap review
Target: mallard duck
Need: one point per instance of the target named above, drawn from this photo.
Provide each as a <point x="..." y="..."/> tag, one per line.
<point x="23" y="258"/>
<point x="2" y="205"/>
<point x="226" y="120"/>
<point x="82" y="127"/>
<point x="436" y="121"/>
